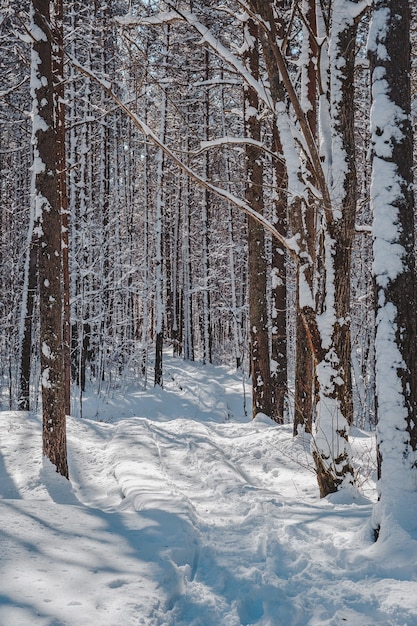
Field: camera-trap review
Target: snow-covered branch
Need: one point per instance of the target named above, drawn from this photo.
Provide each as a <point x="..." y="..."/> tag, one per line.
<point x="289" y="243"/>
<point x="228" y="140"/>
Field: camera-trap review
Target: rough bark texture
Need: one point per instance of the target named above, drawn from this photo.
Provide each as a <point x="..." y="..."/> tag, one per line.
<point x="344" y="229"/>
<point x="279" y="374"/>
<point x="304" y="362"/>
<point x="279" y="361"/>
<point x="335" y="390"/>
<point x="258" y="310"/>
<point x="59" y="95"/>
<point x="304" y="365"/>
<point x="390" y="60"/>
<point x="48" y="228"/>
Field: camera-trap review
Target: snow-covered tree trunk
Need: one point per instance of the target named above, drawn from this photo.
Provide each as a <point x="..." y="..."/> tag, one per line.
<point x="159" y="210"/>
<point x="176" y="292"/>
<point x="304" y="364"/>
<point x="236" y="312"/>
<point x="257" y="266"/>
<point x="279" y="373"/>
<point x="27" y="307"/>
<point x="59" y="107"/>
<point x="205" y="221"/>
<point x="187" y="302"/>
<point x="146" y="270"/>
<point x="326" y="321"/>
<point x="394" y="262"/>
<point x="335" y="404"/>
<point x="48" y="226"/>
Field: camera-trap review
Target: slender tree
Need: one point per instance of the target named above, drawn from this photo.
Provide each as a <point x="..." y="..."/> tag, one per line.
<point x="59" y="110"/>
<point x="304" y="363"/>
<point x="257" y="265"/>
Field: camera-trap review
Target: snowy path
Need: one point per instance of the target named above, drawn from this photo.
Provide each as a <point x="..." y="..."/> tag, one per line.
<point x="184" y="521"/>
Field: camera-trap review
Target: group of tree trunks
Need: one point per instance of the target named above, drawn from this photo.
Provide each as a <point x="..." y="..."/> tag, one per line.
<point x="292" y="71"/>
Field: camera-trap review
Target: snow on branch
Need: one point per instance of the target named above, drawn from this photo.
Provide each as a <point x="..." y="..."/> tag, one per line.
<point x="206" y="38"/>
<point x="3" y="94"/>
<point x="166" y="17"/>
<point x="289" y="243"/>
<point x="227" y="140"/>
<point x="302" y="138"/>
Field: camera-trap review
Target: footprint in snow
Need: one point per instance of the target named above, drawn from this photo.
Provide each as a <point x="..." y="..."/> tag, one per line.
<point x="115" y="584"/>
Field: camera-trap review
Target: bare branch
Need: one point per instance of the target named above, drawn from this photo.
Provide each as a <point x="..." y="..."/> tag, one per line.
<point x="290" y="244"/>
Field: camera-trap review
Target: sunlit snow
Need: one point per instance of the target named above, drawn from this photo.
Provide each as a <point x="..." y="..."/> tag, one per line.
<point x="183" y="511"/>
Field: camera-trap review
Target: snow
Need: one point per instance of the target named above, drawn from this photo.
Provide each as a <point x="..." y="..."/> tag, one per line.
<point x="182" y="511"/>
<point x="378" y="31"/>
<point x="45" y="380"/>
<point x="396" y="511"/>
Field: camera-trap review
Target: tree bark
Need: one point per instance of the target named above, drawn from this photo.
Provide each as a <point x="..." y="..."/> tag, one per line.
<point x="257" y="266"/>
<point x="59" y="107"/>
<point x="48" y="227"/>
<point x="279" y="373"/>
<point x="304" y="362"/>
<point x="392" y="201"/>
<point x="31" y="283"/>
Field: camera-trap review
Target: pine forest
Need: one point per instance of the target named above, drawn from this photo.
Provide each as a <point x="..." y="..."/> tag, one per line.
<point x="227" y="183"/>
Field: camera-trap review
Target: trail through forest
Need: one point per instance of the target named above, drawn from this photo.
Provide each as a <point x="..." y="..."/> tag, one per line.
<point x="183" y="511"/>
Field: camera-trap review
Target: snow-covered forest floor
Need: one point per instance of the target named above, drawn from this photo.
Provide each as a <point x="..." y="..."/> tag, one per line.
<point x="183" y="511"/>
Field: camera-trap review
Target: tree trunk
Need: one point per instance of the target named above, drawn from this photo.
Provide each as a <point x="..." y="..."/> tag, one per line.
<point x="279" y="374"/>
<point x="335" y="401"/>
<point x="30" y="285"/>
<point x="48" y="227"/>
<point x="205" y="221"/>
<point x="159" y="281"/>
<point x="59" y="106"/>
<point x="392" y="201"/>
<point x="257" y="266"/>
<point x="304" y="362"/>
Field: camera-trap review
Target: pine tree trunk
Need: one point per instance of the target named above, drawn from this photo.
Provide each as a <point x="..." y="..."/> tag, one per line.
<point x="31" y="281"/>
<point x="59" y="95"/>
<point x="279" y="374"/>
<point x="48" y="228"/>
<point x="334" y="409"/>
<point x="159" y="282"/>
<point x="392" y="201"/>
<point x="257" y="265"/>
<point x="304" y="361"/>
<point x="205" y="221"/>
<point x="187" y="302"/>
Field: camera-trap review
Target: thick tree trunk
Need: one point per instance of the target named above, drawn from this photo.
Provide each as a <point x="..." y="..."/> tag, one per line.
<point x="335" y="401"/>
<point x="258" y="309"/>
<point x="392" y="201"/>
<point x="48" y="227"/>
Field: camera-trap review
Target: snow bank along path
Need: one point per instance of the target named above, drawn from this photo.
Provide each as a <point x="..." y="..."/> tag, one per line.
<point x="192" y="515"/>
